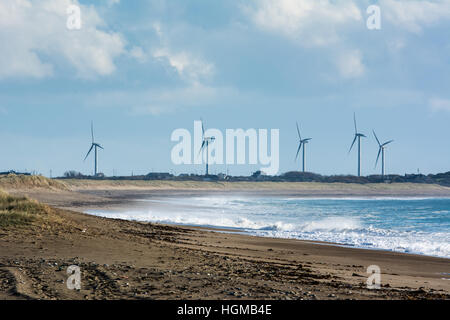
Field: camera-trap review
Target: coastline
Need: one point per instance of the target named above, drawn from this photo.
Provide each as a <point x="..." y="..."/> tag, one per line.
<point x="195" y="263"/>
<point x="83" y="194"/>
<point x="164" y="199"/>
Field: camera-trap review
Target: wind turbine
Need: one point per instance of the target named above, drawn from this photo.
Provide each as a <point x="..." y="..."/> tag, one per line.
<point x="358" y="136"/>
<point x="381" y="149"/>
<point x="205" y="144"/>
<point x="302" y="142"/>
<point x="94" y="146"/>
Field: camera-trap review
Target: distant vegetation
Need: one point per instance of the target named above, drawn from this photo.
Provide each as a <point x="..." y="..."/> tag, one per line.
<point x="441" y="178"/>
<point x="292" y="176"/>
<point x="20" y="181"/>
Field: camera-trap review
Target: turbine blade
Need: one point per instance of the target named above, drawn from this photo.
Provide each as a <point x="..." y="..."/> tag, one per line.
<point x="298" y="131"/>
<point x="100" y="147"/>
<point x="92" y="131"/>
<point x="201" y="148"/>
<point x="379" y="144"/>
<point x="378" y="156"/>
<point x="92" y="146"/>
<point x="354" y="121"/>
<point x="298" y="150"/>
<point x="203" y="128"/>
<point x="354" y="140"/>
<point x="386" y="143"/>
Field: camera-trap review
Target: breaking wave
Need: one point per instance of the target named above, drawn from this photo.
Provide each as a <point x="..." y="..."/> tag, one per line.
<point x="419" y="225"/>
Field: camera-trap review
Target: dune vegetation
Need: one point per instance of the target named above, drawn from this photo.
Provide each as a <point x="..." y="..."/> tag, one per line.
<point x="312" y="187"/>
<point x="25" y="182"/>
<point x="21" y="211"/>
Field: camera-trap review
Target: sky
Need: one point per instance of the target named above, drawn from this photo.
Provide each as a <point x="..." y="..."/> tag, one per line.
<point x="141" y="69"/>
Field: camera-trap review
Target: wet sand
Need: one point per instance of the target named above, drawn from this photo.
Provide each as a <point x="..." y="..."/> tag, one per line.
<point x="130" y="260"/>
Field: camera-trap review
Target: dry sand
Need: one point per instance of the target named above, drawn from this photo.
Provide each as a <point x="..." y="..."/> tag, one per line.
<point x="130" y="260"/>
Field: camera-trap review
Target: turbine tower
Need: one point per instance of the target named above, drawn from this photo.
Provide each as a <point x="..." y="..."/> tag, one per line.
<point x="381" y="150"/>
<point x="302" y="142"/>
<point x="358" y="136"/>
<point x="205" y="144"/>
<point x="94" y="146"/>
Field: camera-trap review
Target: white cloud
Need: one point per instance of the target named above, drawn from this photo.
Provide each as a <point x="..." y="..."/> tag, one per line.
<point x="138" y="54"/>
<point x="395" y="45"/>
<point x="438" y="104"/>
<point x="167" y="101"/>
<point x="110" y="3"/>
<point x="413" y="15"/>
<point x="35" y="40"/>
<point x="159" y="101"/>
<point x="187" y="65"/>
<point x="350" y="64"/>
<point x="311" y="22"/>
<point x="157" y="28"/>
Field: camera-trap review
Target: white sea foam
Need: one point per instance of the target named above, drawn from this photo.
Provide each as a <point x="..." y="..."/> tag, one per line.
<point x="366" y="198"/>
<point x="413" y="226"/>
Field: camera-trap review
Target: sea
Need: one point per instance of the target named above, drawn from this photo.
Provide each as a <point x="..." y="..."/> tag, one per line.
<point x="410" y="225"/>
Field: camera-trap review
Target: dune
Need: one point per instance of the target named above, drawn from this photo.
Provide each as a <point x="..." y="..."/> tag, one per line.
<point x="307" y="188"/>
<point x="23" y="182"/>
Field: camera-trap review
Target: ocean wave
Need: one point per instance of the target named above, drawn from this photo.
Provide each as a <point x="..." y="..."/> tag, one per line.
<point x="365" y="198"/>
<point x="413" y="226"/>
<point x="436" y="244"/>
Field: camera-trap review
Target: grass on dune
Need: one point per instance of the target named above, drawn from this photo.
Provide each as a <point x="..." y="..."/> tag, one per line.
<point x="21" y="211"/>
<point x="18" y="182"/>
<point x="87" y="184"/>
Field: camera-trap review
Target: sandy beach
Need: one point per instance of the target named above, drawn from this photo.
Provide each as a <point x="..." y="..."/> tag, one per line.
<point x="130" y="260"/>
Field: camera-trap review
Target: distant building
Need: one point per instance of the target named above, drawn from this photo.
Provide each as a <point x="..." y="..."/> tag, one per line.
<point x="222" y="176"/>
<point x="14" y="172"/>
<point x="159" y="176"/>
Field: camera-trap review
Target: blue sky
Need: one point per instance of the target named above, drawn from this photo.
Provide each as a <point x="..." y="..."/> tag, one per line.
<point x="140" y="69"/>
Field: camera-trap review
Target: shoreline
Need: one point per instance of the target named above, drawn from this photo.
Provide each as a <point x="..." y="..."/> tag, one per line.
<point x="122" y="259"/>
<point x="151" y="200"/>
<point x="247" y="234"/>
<point x="130" y="197"/>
